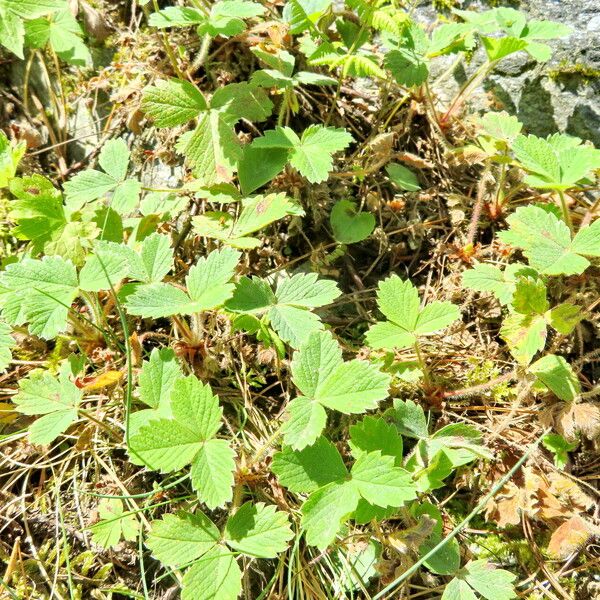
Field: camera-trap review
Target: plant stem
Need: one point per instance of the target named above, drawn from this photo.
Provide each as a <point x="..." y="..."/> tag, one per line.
<point x="422" y="364"/>
<point x="480" y="506"/>
<point x="565" y="210"/>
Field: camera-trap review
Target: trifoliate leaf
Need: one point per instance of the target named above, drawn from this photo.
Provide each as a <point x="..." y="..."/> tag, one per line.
<point x="312" y="154"/>
<point x="560" y="447"/>
<point x="321" y="375"/>
<point x="64" y="35"/>
<point x="488" y="278"/>
<point x="288" y="309"/>
<point x="546" y="241"/>
<point x="41" y="291"/>
<point x="173" y="102"/>
<point x="399" y="301"/>
<point x="56" y="399"/>
<point x="309" y="469"/>
<point x="558" y="162"/>
<point x="557" y="375"/>
<point x="114" y="524"/>
<point x="169" y="444"/>
<point x="257" y="212"/>
<point x="403" y="177"/>
<point x="215" y="575"/>
<point x="177" y="540"/>
<point x="207" y="284"/>
<point x="7" y="342"/>
<point x="380" y="482"/>
<point x="488" y="581"/>
<point x="92" y="184"/>
<point x="374" y="434"/>
<point x="258" y="530"/>
<point x="12" y="13"/>
<point x="38" y="210"/>
<point x="348" y="224"/>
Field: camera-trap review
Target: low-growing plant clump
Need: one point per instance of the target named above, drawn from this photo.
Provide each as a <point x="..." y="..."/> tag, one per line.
<point x="347" y="349"/>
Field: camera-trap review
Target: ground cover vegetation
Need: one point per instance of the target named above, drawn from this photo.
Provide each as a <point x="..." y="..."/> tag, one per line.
<point x="351" y="352"/>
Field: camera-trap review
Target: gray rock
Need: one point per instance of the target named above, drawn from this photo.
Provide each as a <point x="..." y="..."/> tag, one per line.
<point x="524" y="88"/>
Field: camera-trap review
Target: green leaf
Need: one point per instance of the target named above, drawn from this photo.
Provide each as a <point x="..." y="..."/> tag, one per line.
<point x="105" y="268"/>
<point x="404" y="178"/>
<point x="57" y="399"/>
<point x="529" y="297"/>
<point x="214" y="576"/>
<point x="64" y="35"/>
<point x="306" y="421"/>
<point x="91" y="184"/>
<point x="258" y="166"/>
<point x="325" y="510"/>
<point x="381" y="483"/>
<point x="557" y="375"/>
<point x="208" y="280"/>
<point x="309" y="469"/>
<point x="312" y="154"/>
<point x="176" y="16"/>
<point x="488" y="278"/>
<point x="546" y="241"/>
<point x="320" y="374"/>
<point x="407" y="61"/>
<point x="12" y="31"/>
<point x="288" y="310"/>
<point x="257" y="212"/>
<point x="38" y="210"/>
<point x="207" y="284"/>
<point x="242" y="101"/>
<point x="558" y="162"/>
<point x="373" y="434"/>
<point x="10" y="154"/>
<point x="212" y="473"/>
<point x="564" y="317"/>
<point x="348" y="224"/>
<point x="525" y="335"/>
<point x="114" y="524"/>
<point x="409" y="419"/>
<point x="155" y="259"/>
<point x="501" y="125"/>
<point x="177" y="540"/>
<point x="168" y="444"/>
<point x="7" y="342"/>
<point x="488" y="581"/>
<point x="399" y="301"/>
<point x="158" y="377"/>
<point x="560" y="447"/>
<point x="173" y="102"/>
<point x="213" y="148"/>
<point x="43" y="291"/>
<point x="258" y="530"/>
